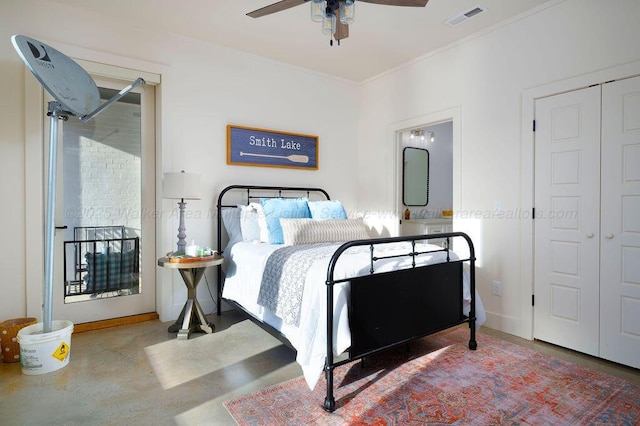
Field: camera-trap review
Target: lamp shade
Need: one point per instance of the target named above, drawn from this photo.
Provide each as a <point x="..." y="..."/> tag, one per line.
<point x="181" y="186"/>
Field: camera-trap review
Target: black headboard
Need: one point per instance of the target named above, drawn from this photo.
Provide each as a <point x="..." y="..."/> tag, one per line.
<point x="245" y="194"/>
<point x="233" y="195"/>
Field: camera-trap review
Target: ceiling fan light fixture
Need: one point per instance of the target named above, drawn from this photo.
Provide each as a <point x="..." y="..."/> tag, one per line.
<point x="328" y="12"/>
<point x="329" y="23"/>
<point x="347" y="11"/>
<point x="317" y="10"/>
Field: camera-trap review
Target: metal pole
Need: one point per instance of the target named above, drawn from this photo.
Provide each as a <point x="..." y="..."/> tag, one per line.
<point x="138" y="81"/>
<point x="49" y="231"/>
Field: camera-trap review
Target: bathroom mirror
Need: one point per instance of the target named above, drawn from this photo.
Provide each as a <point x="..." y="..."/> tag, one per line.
<point x="415" y="177"/>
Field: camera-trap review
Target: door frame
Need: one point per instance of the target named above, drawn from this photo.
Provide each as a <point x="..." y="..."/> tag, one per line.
<point x="524" y="327"/>
<point x="106" y="308"/>
<point x="453" y="115"/>
<point x="96" y="63"/>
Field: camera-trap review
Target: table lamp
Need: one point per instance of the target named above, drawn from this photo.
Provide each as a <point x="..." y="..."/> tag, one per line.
<point x="181" y="186"/>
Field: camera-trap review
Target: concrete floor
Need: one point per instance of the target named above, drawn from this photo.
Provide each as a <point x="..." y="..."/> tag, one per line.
<point x="141" y="374"/>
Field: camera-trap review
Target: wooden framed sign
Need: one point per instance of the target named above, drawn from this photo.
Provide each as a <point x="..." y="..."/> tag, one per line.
<point x="248" y="146"/>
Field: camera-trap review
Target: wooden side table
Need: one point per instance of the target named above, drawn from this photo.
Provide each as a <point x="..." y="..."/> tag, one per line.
<point x="192" y="317"/>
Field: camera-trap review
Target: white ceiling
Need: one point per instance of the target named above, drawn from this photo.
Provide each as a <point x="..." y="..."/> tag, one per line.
<point x="381" y="38"/>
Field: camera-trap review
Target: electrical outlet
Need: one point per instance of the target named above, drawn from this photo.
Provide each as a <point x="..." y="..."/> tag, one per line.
<point x="496" y="288"/>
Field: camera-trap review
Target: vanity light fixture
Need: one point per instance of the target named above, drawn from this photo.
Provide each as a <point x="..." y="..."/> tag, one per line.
<point x="432" y="137"/>
<point x="417" y="133"/>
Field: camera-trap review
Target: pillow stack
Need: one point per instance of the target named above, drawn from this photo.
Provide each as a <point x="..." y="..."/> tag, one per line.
<point x="292" y="221"/>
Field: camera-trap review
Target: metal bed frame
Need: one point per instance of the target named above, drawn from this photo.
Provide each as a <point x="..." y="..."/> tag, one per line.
<point x="386" y="309"/>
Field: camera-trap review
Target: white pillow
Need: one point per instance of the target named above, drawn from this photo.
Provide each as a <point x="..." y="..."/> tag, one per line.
<point x="310" y="231"/>
<point x="231" y="221"/>
<point x="262" y="222"/>
<point x="249" y="223"/>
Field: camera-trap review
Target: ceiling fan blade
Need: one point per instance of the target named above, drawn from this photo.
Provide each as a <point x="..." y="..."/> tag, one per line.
<point x="342" y="30"/>
<point x="275" y="7"/>
<point x="412" y="3"/>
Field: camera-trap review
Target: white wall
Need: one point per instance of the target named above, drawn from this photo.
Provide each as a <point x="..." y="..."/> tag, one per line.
<point x="485" y="78"/>
<point x="204" y="87"/>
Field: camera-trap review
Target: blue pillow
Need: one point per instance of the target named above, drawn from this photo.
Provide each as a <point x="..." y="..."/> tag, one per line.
<point x="275" y="208"/>
<point x="330" y="209"/>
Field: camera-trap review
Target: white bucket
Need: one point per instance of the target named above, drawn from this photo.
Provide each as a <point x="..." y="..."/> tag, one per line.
<point x="45" y="352"/>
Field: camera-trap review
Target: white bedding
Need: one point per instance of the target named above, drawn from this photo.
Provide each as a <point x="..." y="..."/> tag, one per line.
<point x="244" y="263"/>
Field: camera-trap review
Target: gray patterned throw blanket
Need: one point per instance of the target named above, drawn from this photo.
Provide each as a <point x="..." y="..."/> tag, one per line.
<point x="282" y="285"/>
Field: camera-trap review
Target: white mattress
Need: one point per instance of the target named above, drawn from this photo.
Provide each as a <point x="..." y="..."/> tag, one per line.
<point x="245" y="262"/>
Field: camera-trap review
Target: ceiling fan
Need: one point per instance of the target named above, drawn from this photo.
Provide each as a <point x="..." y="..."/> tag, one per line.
<point x="335" y="15"/>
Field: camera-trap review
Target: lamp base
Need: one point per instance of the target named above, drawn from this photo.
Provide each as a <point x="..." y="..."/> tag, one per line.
<point x="182" y="235"/>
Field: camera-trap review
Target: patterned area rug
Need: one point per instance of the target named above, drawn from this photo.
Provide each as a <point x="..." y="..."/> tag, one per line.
<point x="438" y="380"/>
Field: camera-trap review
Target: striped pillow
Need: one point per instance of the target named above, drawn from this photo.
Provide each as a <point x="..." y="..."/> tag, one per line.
<point x="310" y="231"/>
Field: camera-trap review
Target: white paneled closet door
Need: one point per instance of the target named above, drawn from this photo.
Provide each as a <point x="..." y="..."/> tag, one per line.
<point x="567" y="225"/>
<point x="587" y="225"/>
<point x="620" y="239"/>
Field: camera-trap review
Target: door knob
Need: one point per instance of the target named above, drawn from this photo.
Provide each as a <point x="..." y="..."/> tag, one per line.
<point x="589" y="234"/>
<point x="609" y="236"/>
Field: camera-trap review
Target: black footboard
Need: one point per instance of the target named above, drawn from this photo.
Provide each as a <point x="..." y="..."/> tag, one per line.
<point x="424" y="299"/>
<point x="392" y="308"/>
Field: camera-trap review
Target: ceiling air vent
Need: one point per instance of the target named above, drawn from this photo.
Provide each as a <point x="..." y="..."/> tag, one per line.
<point x="461" y="17"/>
